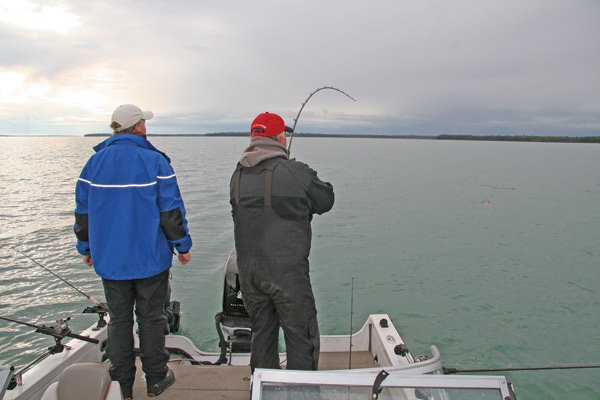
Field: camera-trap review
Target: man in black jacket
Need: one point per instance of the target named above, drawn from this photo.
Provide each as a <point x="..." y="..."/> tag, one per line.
<point x="273" y="200"/>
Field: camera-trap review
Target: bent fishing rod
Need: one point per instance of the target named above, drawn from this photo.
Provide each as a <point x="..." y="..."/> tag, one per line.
<point x="302" y="108"/>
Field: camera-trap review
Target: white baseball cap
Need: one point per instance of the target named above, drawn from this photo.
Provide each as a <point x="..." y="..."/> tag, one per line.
<point x="127" y="115"/>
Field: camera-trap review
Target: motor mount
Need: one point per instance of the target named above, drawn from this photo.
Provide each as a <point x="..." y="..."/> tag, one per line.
<point x="233" y="322"/>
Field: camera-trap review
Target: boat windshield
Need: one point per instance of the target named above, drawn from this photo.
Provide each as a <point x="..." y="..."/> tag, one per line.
<point x="302" y="385"/>
<point x="322" y="392"/>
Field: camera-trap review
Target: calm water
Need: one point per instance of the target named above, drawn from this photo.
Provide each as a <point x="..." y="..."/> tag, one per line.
<point x="488" y="250"/>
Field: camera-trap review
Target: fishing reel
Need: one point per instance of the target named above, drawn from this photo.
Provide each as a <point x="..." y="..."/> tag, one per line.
<point x="58" y="332"/>
<point x="101" y="309"/>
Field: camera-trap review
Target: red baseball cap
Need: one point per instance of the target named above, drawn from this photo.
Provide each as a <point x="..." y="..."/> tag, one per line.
<point x="268" y="124"/>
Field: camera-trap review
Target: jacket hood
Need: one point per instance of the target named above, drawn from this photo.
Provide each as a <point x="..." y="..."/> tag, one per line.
<point x="260" y="149"/>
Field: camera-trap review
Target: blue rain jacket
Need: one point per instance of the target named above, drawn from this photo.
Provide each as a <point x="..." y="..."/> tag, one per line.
<point x="129" y="214"/>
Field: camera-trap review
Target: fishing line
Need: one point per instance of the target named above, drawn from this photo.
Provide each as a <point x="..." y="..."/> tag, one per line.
<point x="302" y="108"/>
<point x="351" y="315"/>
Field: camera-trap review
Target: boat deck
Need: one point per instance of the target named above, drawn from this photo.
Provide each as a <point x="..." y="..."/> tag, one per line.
<point x="225" y="382"/>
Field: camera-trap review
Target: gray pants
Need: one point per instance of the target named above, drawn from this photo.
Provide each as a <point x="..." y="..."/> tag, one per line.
<point x="148" y="297"/>
<point x="279" y="294"/>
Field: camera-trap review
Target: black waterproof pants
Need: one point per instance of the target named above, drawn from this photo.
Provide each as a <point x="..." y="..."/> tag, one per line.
<point x="272" y="258"/>
<point x="148" y="297"/>
<point x="277" y="294"/>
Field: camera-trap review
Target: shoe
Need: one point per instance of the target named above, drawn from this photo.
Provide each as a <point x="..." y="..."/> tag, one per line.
<point x="127" y="398"/>
<point x="158" y="388"/>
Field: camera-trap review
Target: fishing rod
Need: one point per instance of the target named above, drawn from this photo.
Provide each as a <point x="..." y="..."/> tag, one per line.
<point x="99" y="307"/>
<point x="59" y="332"/>
<point x="90" y="298"/>
<point x="302" y="108"/>
<point x="449" y="371"/>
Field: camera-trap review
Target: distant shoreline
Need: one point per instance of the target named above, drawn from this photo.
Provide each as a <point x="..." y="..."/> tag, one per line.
<point x="493" y="138"/>
<point x="488" y="138"/>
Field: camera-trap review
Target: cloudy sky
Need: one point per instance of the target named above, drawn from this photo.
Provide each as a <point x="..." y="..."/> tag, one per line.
<point x="414" y="67"/>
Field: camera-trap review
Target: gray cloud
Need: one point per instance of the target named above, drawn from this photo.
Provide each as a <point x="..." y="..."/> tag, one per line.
<point x="506" y="67"/>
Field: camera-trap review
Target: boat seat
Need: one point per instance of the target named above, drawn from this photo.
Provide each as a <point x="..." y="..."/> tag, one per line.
<point x="89" y="381"/>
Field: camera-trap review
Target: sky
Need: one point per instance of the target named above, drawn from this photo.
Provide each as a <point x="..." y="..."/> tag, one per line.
<point x="420" y="67"/>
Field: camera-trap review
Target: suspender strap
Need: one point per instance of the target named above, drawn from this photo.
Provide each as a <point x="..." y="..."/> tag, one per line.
<point x="267" y="165"/>
<point x="268" y="187"/>
<point x="236" y="184"/>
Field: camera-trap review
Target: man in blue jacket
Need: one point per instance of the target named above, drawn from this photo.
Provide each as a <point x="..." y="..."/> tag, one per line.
<point x="129" y="221"/>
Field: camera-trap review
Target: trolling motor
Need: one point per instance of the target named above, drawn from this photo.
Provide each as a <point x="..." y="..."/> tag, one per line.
<point x="233" y="323"/>
<point x="173" y="312"/>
